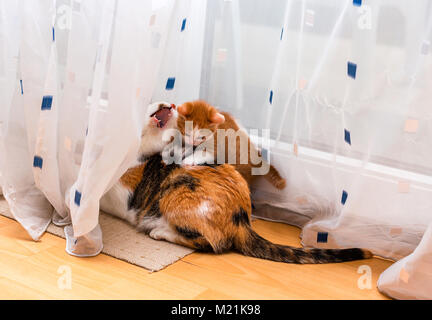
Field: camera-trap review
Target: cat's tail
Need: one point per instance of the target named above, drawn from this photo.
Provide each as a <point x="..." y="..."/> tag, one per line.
<point x="251" y="244"/>
<point x="275" y="178"/>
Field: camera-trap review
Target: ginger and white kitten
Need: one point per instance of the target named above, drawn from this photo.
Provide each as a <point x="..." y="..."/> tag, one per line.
<point x="207" y="119"/>
<point x="202" y="207"/>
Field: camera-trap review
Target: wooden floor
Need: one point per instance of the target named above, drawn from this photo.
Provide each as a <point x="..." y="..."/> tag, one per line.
<point x="36" y="270"/>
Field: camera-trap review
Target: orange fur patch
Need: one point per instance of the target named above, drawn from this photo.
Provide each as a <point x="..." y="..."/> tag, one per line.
<point x="132" y="177"/>
<point x="209" y="208"/>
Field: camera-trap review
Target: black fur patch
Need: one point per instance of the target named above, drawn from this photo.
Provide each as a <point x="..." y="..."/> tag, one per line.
<point x="223" y="245"/>
<point x="142" y="158"/>
<point x="319" y="255"/>
<point x="203" y="247"/>
<point x="300" y="255"/>
<point x="188" y="233"/>
<point x="282" y="252"/>
<point x="185" y="180"/>
<point x="154" y="173"/>
<point x="154" y="210"/>
<point x="211" y="165"/>
<point x="182" y="180"/>
<point x="346" y="254"/>
<point x="241" y="217"/>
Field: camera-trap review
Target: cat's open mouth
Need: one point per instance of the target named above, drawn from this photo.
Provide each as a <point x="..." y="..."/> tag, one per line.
<point x="162" y="116"/>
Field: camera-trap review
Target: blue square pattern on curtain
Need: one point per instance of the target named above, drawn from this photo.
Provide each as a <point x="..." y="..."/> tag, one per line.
<point x="77" y="198"/>
<point x="183" y="26"/>
<point x="170" y="84"/>
<point x="322" y="237"/>
<point x="47" y="103"/>
<point x="37" y="162"/>
<point x="347" y="136"/>
<point x="352" y="69"/>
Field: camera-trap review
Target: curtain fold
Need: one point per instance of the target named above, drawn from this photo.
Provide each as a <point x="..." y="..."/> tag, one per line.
<point x="76" y="79"/>
<point x="410" y="277"/>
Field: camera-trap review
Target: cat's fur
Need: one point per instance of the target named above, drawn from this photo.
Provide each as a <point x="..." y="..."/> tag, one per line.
<point x="203" y="207"/>
<point x="205" y="116"/>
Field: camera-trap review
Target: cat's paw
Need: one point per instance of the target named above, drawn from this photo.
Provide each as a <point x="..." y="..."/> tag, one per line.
<point x="164" y="233"/>
<point x="157" y="234"/>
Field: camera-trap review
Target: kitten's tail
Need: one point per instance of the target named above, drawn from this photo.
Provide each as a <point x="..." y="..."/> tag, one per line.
<point x="251" y="244"/>
<point x="275" y="178"/>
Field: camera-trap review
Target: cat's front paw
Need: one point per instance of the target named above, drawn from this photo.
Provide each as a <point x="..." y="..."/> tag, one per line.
<point x="164" y="233"/>
<point x="157" y="234"/>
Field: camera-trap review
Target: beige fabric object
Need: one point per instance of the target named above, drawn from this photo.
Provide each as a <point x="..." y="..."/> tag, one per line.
<point x="123" y="242"/>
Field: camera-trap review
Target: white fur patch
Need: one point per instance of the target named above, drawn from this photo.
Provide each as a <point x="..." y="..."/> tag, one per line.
<point x="160" y="229"/>
<point x="115" y="202"/>
<point x="204" y="208"/>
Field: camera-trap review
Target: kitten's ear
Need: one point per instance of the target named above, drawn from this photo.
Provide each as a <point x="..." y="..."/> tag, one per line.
<point x="185" y="109"/>
<point x="217" y="118"/>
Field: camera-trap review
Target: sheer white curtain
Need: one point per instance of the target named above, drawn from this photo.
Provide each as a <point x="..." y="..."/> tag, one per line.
<point x="344" y="86"/>
<point x="75" y="79"/>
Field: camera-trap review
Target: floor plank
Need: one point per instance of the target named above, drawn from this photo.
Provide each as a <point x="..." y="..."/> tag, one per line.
<point x="38" y="270"/>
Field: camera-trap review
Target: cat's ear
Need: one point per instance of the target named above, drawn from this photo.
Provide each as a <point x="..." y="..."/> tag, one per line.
<point x="185" y="109"/>
<point x="217" y="118"/>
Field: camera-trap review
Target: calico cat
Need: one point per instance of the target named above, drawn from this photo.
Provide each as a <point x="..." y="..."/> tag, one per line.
<point x="207" y="118"/>
<point x="207" y="208"/>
